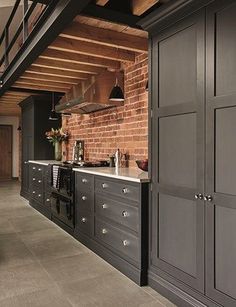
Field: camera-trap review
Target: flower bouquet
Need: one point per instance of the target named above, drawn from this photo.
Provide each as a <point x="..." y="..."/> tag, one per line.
<point x="56" y="137"/>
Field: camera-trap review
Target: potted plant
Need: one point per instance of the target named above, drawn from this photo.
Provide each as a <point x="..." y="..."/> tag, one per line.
<point x="56" y="137"/>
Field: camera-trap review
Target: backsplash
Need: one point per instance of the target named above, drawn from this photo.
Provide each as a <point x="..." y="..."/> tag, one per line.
<point x="124" y="127"/>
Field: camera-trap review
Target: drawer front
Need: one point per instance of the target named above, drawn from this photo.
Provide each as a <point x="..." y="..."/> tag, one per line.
<point x="123" y="242"/>
<point x="84" y="182"/>
<point x="84" y="223"/>
<point x="117" y="187"/>
<point x="37" y="171"/>
<point x="37" y="195"/>
<point x="117" y="211"/>
<point x="84" y="201"/>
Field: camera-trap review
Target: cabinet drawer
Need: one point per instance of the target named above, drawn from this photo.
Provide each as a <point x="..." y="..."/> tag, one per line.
<point x="84" y="182"/>
<point x="117" y="211"/>
<point x="121" y="241"/>
<point x="84" y="223"/>
<point x="117" y="187"/>
<point x="37" y="195"/>
<point x="84" y="201"/>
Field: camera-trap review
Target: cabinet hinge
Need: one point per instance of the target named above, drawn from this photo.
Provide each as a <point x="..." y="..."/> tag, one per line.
<point x="151" y="113"/>
<point x="151" y="187"/>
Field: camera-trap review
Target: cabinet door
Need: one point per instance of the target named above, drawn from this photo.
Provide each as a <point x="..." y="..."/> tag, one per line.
<point x="177" y="218"/>
<point x="221" y="152"/>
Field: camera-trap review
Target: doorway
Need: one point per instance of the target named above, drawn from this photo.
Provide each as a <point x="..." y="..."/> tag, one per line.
<point x="5" y="152"/>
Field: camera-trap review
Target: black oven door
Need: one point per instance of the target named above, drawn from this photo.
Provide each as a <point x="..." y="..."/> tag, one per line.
<point x="55" y="205"/>
<point x="62" y="209"/>
<point x="66" y="181"/>
<point x="67" y="212"/>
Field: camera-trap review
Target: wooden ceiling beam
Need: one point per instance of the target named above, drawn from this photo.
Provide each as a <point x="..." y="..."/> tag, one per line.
<point x="40" y="87"/>
<point x="57" y="72"/>
<point x="12" y="96"/>
<point x="17" y="94"/>
<point x="68" y="66"/>
<point x="9" y="103"/>
<point x="41" y="83"/>
<point x="106" y="37"/>
<point x="87" y="48"/>
<point x="102" y="2"/>
<point x="139" y="6"/>
<point x="69" y="57"/>
<point x="9" y="112"/>
<point x="9" y="107"/>
<point x="39" y="77"/>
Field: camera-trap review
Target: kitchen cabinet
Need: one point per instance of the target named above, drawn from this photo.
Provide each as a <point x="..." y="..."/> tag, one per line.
<point x="192" y="205"/>
<point x="40" y="188"/>
<point x="35" y="112"/>
<point x="111" y="219"/>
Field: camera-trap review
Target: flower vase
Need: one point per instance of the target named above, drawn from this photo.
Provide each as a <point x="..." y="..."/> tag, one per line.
<point x="58" y="151"/>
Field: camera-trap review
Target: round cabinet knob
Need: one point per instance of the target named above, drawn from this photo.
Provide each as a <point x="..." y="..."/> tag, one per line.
<point x="198" y="196"/>
<point x="104" y="185"/>
<point x="104" y="231"/>
<point x="83" y="220"/>
<point x="33" y="192"/>
<point x="208" y="198"/>
<point x="39" y="169"/>
<point x="34" y="168"/>
<point x="83" y="197"/>
<point x="125" y="213"/>
<point x="84" y="180"/>
<point x="39" y="195"/>
<point x="125" y="242"/>
<point x="125" y="190"/>
<point x="39" y="181"/>
<point x="25" y="162"/>
<point x="104" y="206"/>
<point x="48" y="199"/>
<point x="34" y="179"/>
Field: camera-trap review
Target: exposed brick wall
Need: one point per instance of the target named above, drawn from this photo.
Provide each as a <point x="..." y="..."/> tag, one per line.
<point x="124" y="127"/>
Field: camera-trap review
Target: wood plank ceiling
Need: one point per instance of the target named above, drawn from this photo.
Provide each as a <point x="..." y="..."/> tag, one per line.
<point x="84" y="49"/>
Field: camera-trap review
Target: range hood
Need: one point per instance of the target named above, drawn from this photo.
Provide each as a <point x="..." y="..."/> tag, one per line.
<point x="91" y="96"/>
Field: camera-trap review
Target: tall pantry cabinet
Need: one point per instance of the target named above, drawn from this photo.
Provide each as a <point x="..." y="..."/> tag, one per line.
<point x="193" y="152"/>
<point x="35" y="111"/>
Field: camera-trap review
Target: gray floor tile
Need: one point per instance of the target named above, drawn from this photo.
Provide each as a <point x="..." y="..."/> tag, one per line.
<point x="34" y="223"/>
<point x="39" y="236"/>
<point x="158" y="297"/>
<point x="112" y="289"/>
<point x="75" y="268"/>
<point x="23" y="279"/>
<point x="56" y="248"/>
<point x="13" y="252"/>
<point x="6" y="227"/>
<point x="43" y="298"/>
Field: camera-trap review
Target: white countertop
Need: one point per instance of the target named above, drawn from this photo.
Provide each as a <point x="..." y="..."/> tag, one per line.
<point x="44" y="162"/>
<point x="130" y="174"/>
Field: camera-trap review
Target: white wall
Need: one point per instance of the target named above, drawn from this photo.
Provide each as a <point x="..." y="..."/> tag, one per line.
<point x="14" y="121"/>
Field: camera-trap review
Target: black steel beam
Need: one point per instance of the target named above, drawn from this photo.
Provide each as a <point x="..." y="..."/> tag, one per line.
<point x="56" y="17"/>
<point x="108" y="14"/>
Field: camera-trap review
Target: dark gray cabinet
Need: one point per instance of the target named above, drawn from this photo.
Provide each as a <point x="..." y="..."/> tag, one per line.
<point x="111" y="219"/>
<point x="193" y="126"/>
<point x="40" y="188"/>
<point x="177" y="245"/>
<point x="221" y="153"/>
<point x="35" y="111"/>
